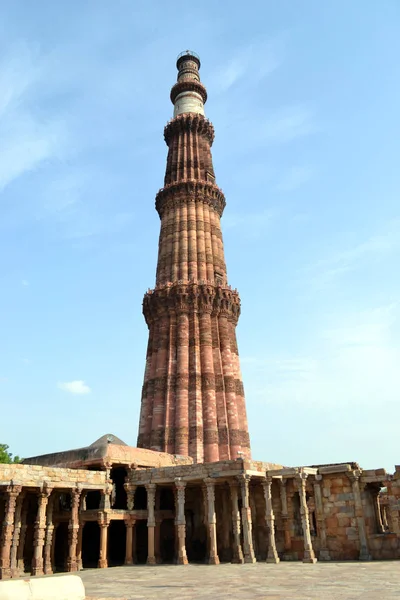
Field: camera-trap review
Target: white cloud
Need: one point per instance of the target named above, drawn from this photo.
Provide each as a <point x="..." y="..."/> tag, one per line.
<point x="25" y="283"/>
<point x="27" y="140"/>
<point x="375" y="248"/>
<point x="253" y="62"/>
<point x="78" y="387"/>
<point x="286" y="125"/>
<point x="353" y="361"/>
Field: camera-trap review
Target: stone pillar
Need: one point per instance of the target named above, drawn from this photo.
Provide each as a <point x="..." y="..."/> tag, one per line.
<point x="309" y="556"/>
<point x="285" y="516"/>
<point x="73" y="529"/>
<point x="48" y="541"/>
<point x="246" y="520"/>
<point x="181" y="521"/>
<point x="377" y="508"/>
<point x="79" y="564"/>
<point x="157" y="540"/>
<point x="129" y="523"/>
<point x="237" y="546"/>
<point x="151" y="522"/>
<point x="212" y="521"/>
<point x="130" y="495"/>
<point x="12" y="493"/>
<point x="16" y="535"/>
<point x="40" y="527"/>
<point x="272" y="554"/>
<point x="21" y="546"/>
<point x="105" y="501"/>
<point x="354" y="477"/>
<point x="321" y="526"/>
<point x="104" y="522"/>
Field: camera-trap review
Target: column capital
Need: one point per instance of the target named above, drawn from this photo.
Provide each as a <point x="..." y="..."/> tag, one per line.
<point x="179" y="483"/>
<point x="354" y="475"/>
<point x="103" y="519"/>
<point x="130" y="521"/>
<point x="14" y="489"/>
<point x="150" y="487"/>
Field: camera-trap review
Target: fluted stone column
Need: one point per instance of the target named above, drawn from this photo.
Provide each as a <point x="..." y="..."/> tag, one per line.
<point x="213" y="558"/>
<point x="48" y="542"/>
<point x="16" y="535"/>
<point x="237" y="546"/>
<point x="73" y="529"/>
<point x="272" y="554"/>
<point x="104" y="523"/>
<point x="354" y="477"/>
<point x="321" y="526"/>
<point x="181" y="521"/>
<point x="151" y="522"/>
<point x="129" y="523"/>
<point x="309" y="556"/>
<point x="40" y="527"/>
<point x="12" y="493"/>
<point x="105" y="500"/>
<point x="285" y="516"/>
<point x="248" y="549"/>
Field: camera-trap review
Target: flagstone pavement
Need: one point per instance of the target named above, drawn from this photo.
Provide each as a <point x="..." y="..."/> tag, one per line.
<point x="323" y="581"/>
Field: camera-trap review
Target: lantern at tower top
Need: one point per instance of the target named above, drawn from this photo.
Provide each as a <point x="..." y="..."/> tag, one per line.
<point x="188" y="95"/>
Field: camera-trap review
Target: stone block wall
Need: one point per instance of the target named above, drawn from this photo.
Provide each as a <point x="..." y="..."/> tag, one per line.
<point x="35" y="475"/>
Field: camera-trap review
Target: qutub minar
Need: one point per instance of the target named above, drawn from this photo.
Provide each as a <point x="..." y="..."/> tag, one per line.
<point x="190" y="491"/>
<point x="193" y="399"/>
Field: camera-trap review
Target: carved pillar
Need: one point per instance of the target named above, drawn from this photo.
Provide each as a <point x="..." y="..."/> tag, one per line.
<point x="237" y="546"/>
<point x="130" y="523"/>
<point x="272" y="555"/>
<point x="73" y="529"/>
<point x="205" y="520"/>
<point x="48" y="541"/>
<point x="321" y="526"/>
<point x="105" y="501"/>
<point x="181" y="521"/>
<point x="79" y="564"/>
<point x="21" y="545"/>
<point x="285" y="516"/>
<point x="16" y="535"/>
<point x="309" y="556"/>
<point x="354" y="477"/>
<point x="40" y="526"/>
<point x="212" y="521"/>
<point x="104" y="522"/>
<point x="151" y="522"/>
<point x="246" y="520"/>
<point x="12" y="493"/>
<point x="130" y="495"/>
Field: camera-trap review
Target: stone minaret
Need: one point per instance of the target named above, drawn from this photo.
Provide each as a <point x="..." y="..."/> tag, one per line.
<point x="192" y="399"/>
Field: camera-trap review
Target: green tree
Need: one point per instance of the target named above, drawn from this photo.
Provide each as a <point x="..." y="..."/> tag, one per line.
<point x="6" y="456"/>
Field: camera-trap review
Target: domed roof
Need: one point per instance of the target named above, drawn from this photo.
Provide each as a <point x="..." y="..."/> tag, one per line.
<point x="108" y="438"/>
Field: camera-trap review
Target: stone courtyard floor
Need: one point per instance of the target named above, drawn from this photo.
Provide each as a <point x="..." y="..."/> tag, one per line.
<point x="323" y="581"/>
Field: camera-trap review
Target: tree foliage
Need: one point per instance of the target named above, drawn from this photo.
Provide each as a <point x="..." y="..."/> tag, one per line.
<point x="6" y="456"/>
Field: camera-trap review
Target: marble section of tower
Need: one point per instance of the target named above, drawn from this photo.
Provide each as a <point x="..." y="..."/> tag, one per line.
<point x="192" y="399"/>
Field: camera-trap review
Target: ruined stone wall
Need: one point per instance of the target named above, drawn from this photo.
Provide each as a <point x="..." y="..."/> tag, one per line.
<point x="340" y="517"/>
<point x="35" y="475"/>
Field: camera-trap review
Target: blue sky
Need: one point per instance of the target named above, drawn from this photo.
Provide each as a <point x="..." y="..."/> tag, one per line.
<point x="304" y="98"/>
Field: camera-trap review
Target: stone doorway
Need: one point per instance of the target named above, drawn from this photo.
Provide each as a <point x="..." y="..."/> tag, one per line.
<point x="116" y="543"/>
<point x="167" y="541"/>
<point x="61" y="547"/>
<point x="90" y="545"/>
<point x="30" y="508"/>
<point x="119" y="498"/>
<point x="141" y="540"/>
